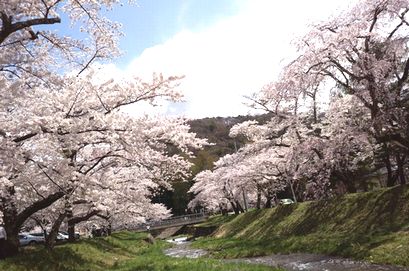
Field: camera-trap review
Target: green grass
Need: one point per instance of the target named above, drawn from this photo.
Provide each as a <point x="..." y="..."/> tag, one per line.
<point x="216" y="220"/>
<point x="124" y="251"/>
<point x="372" y="226"/>
<point x="209" y="226"/>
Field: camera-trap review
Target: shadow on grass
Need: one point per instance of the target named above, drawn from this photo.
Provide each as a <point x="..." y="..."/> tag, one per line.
<point x="125" y="244"/>
<point x="126" y="235"/>
<point x="88" y="254"/>
<point x="61" y="258"/>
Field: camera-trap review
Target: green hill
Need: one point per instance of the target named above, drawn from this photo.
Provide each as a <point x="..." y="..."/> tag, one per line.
<point x="373" y="226"/>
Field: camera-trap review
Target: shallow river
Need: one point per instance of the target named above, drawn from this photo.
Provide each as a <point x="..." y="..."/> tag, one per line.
<point x="291" y="262"/>
<point x="183" y="249"/>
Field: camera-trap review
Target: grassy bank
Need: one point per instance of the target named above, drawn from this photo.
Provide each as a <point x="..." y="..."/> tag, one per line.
<point x="208" y="227"/>
<point x="122" y="252"/>
<point x="372" y="226"/>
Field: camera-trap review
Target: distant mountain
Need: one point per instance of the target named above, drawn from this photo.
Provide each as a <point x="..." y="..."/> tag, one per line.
<point x="216" y="130"/>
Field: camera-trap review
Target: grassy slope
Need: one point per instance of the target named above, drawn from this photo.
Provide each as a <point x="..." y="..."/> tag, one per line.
<point x="373" y="226"/>
<point x="122" y="252"/>
<point x="215" y="221"/>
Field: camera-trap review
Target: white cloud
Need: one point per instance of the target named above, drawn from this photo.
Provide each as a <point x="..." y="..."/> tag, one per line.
<point x="233" y="57"/>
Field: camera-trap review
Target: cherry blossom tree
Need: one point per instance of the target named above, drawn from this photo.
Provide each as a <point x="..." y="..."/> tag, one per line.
<point x="364" y="51"/>
<point x="67" y="148"/>
<point x="360" y="60"/>
<point x="310" y="158"/>
<point x="296" y="151"/>
<point x="251" y="171"/>
<point x="32" y="48"/>
<point x="72" y="137"/>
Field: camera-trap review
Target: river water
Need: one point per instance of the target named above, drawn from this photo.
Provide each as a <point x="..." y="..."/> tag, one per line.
<point x="290" y="262"/>
<point x="182" y="248"/>
<point x="312" y="262"/>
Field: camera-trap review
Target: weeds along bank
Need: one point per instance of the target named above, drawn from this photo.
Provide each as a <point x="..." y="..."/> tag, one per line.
<point x="373" y="226"/>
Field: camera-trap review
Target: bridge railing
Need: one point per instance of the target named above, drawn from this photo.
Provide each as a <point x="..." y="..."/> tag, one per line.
<point x="175" y="220"/>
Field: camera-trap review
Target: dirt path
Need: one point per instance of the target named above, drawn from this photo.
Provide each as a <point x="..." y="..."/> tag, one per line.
<point x="290" y="262"/>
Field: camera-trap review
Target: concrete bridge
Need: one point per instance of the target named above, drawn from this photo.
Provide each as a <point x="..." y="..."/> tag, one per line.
<point x="175" y="221"/>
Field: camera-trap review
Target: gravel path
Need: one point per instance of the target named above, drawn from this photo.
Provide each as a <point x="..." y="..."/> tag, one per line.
<point x="290" y="262"/>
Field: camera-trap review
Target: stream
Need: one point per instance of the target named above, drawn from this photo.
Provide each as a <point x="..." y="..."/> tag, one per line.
<point x="182" y="249"/>
<point x="290" y="262"/>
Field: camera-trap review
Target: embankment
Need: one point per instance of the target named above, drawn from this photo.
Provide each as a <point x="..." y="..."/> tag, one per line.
<point x="373" y="226"/>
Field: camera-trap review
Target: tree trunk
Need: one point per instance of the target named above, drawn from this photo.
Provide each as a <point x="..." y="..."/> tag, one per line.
<point x="239" y="207"/>
<point x="9" y="210"/>
<point x="70" y="224"/>
<point x="223" y="209"/>
<point x="107" y="218"/>
<point x="14" y="220"/>
<point x="71" y="232"/>
<point x="296" y="106"/>
<point x="41" y="225"/>
<point x="235" y="209"/>
<point x="347" y="180"/>
<point x="275" y="199"/>
<point x="72" y="221"/>
<point x="9" y="219"/>
<point x="12" y="243"/>
<point x="258" y="206"/>
<point x="293" y="192"/>
<point x="314" y="107"/>
<point x="244" y="200"/>
<point x="109" y="229"/>
<point x="400" y="161"/>
<point x="391" y="179"/>
<point x="268" y="201"/>
<point x="351" y="186"/>
<point x="52" y="236"/>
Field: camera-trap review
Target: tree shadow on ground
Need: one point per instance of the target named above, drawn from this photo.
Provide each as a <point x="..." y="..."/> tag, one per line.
<point x="61" y="258"/>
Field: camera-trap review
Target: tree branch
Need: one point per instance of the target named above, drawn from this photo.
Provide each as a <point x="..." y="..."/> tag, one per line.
<point x="85" y="217"/>
<point x="8" y="27"/>
<point x="37" y="206"/>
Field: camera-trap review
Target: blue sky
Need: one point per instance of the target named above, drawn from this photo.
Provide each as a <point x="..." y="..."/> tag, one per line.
<point x="152" y="22"/>
<point x="227" y="49"/>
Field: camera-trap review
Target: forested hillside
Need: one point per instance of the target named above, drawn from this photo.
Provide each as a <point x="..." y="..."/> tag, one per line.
<point x="216" y="130"/>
